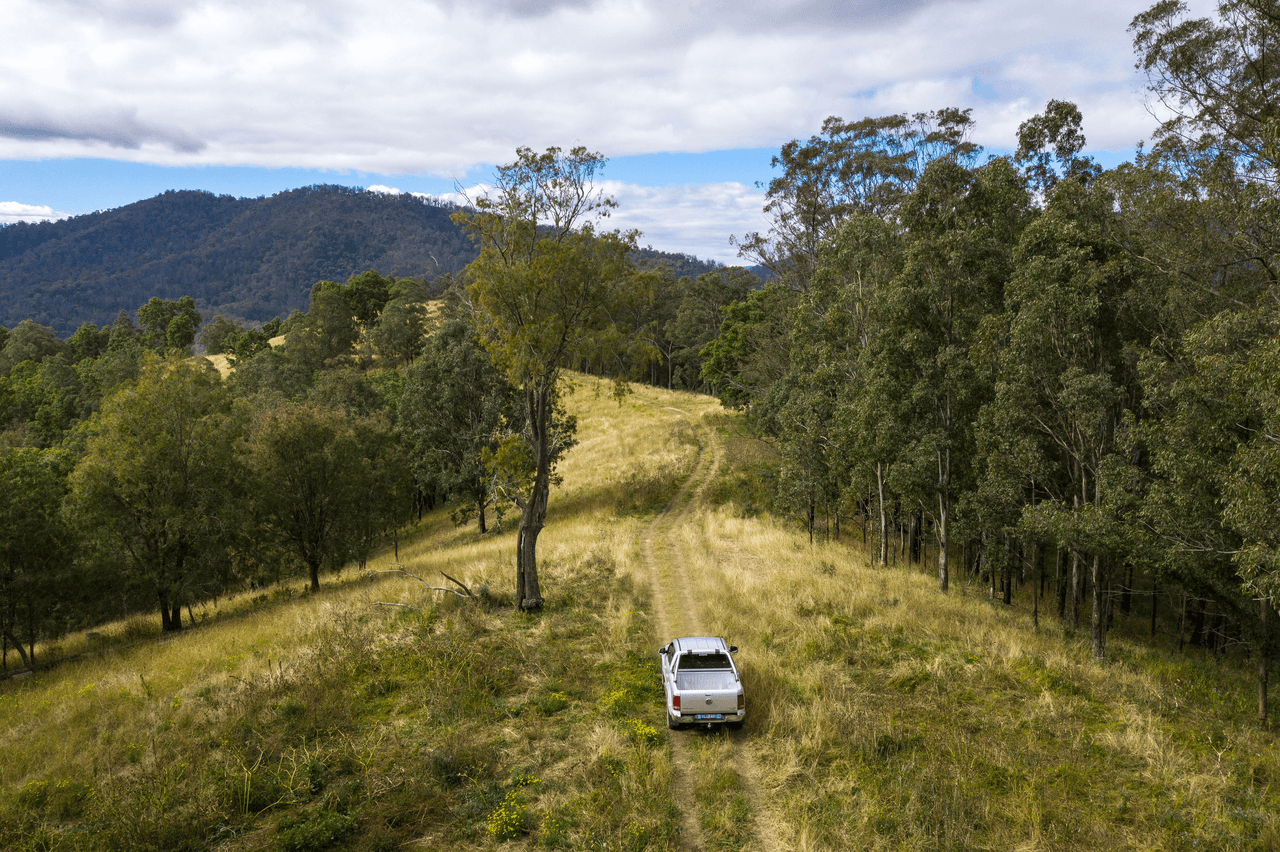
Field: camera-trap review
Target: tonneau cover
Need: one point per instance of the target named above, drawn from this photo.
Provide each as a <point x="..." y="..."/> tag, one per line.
<point x="706" y="681"/>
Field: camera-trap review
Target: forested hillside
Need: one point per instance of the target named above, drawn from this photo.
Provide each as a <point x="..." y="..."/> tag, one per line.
<point x="1027" y="371"/>
<point x="1051" y="386"/>
<point x="249" y="258"/>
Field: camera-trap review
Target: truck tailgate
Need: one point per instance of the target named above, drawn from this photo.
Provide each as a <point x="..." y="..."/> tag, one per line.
<point x="707" y="692"/>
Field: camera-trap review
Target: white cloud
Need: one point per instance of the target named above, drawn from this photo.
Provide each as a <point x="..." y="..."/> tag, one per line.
<point x="16" y="211"/>
<point x="696" y="220"/>
<point x="397" y="87"/>
<point x="400" y="86"/>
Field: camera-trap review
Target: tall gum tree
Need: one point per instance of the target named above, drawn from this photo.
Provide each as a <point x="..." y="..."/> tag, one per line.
<point x="161" y="481"/>
<point x="964" y="224"/>
<point x="548" y="289"/>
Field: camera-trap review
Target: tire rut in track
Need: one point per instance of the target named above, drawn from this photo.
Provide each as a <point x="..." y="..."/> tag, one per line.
<point x="676" y="614"/>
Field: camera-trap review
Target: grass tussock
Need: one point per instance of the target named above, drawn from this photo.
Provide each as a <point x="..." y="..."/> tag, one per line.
<point x="889" y="716"/>
<point x="379" y="715"/>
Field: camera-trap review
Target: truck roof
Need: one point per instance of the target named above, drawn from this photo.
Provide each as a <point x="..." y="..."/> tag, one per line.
<point x="700" y="644"/>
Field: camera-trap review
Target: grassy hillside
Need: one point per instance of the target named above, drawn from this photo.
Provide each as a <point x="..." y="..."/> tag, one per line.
<point x="378" y="714"/>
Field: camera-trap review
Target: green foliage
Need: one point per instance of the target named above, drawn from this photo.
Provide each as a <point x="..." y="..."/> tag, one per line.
<point x="158" y="489"/>
<point x="454" y="407"/>
<point x="325" y="483"/>
<point x="36" y="543"/>
<point x="166" y="326"/>
<point x="249" y="259"/>
<point x="28" y="341"/>
<point x="749" y="356"/>
<point x="313" y="832"/>
<point x="219" y="335"/>
<point x="547" y="290"/>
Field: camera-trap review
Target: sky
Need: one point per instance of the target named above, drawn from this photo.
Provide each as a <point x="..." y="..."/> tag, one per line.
<point x="107" y="102"/>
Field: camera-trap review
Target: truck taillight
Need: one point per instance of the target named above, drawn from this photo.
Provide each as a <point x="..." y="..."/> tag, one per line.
<point x="675" y="702"/>
<point x="742" y="701"/>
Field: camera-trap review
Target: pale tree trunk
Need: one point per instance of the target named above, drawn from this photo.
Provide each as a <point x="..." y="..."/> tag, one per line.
<point x="1098" y="634"/>
<point x="884" y="528"/>
<point x="944" y="514"/>
<point x="1074" y="614"/>
<point x="1036" y="573"/>
<point x="1264" y="648"/>
<point x="533" y="513"/>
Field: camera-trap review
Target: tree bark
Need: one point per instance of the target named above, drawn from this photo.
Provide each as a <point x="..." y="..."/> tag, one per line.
<point x="1126" y="599"/>
<point x="1036" y="575"/>
<point x="528" y="593"/>
<point x="1060" y="586"/>
<point x="8" y="634"/>
<point x="166" y="614"/>
<point x="884" y="523"/>
<point x="1008" y="571"/>
<point x="1098" y="634"/>
<point x="1264" y="649"/>
<point x="533" y="513"/>
<point x="1077" y="580"/>
<point x="1155" y="596"/>
<point x="944" y="516"/>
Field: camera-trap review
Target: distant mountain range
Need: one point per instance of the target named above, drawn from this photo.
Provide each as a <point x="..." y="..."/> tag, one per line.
<point x="250" y="259"/>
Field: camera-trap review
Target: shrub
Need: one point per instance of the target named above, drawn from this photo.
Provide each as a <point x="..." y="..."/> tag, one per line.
<point x="313" y="832"/>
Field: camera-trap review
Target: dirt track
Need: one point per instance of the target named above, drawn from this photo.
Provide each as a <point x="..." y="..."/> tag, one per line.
<point x="677" y="613"/>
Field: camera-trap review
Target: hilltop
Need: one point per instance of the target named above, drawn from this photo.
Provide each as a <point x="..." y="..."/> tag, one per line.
<point x="882" y="714"/>
<point x="251" y="259"/>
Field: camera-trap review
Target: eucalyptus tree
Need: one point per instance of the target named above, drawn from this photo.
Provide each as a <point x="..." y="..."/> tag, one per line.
<point x="866" y="166"/>
<point x="1068" y="381"/>
<point x="318" y="473"/>
<point x="699" y="311"/>
<point x="548" y="288"/>
<point x="839" y="322"/>
<point x="783" y="356"/>
<point x="1211" y="182"/>
<point x="963" y="226"/>
<point x="166" y="324"/>
<point x="746" y="362"/>
<point x="29" y="341"/>
<point x="456" y="404"/>
<point x="160" y="486"/>
<point x="403" y="323"/>
<point x="36" y="542"/>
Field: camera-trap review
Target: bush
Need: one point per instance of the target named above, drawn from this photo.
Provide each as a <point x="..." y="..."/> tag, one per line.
<point x="313" y="832"/>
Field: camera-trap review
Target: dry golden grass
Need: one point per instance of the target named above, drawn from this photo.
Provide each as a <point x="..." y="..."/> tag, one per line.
<point x="882" y="714"/>
<point x="888" y="716"/>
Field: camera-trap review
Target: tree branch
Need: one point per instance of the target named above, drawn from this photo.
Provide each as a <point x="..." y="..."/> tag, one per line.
<point x="400" y="569"/>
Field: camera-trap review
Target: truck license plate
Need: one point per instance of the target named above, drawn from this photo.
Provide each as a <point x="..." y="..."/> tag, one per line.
<point x="701" y="716"/>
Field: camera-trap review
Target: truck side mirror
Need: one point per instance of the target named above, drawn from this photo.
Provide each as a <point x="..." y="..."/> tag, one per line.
<point x="733" y="649"/>
<point x="662" y="650"/>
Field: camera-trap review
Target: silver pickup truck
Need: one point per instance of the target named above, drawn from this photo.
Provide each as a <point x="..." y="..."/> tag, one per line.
<point x="702" y="683"/>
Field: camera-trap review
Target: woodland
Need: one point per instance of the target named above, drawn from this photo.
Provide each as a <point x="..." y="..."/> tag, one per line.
<point x="250" y="259"/>
<point x="1026" y="371"/>
<point x="982" y="477"/>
